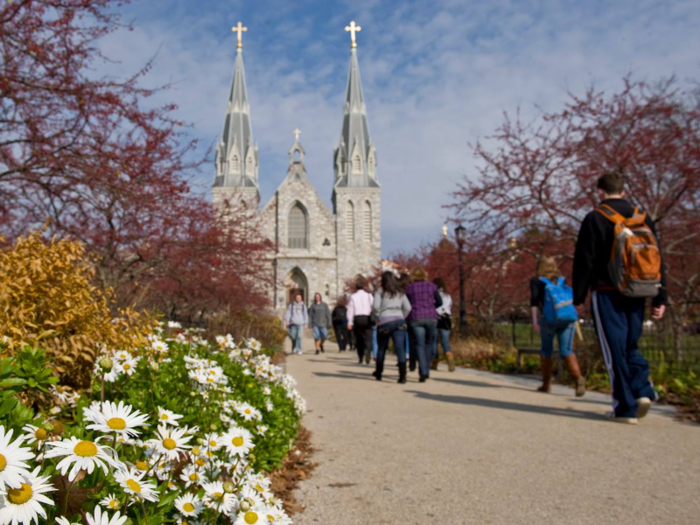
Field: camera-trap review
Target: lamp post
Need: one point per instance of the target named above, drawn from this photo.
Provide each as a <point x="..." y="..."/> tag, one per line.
<point x="461" y="236"/>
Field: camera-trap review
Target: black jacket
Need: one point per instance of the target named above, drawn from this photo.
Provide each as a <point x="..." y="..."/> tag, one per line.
<point x="593" y="248"/>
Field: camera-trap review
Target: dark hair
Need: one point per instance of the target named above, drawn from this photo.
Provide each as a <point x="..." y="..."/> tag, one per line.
<point x="440" y="284"/>
<point x="360" y="283"/>
<point x="390" y="285"/>
<point x="612" y="183"/>
<point x="320" y="297"/>
<point x="404" y="280"/>
<point x="342" y="301"/>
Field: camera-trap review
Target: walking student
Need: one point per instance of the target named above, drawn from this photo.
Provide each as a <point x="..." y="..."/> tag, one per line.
<point x="444" y="327"/>
<point x="554" y="320"/>
<point x="319" y="320"/>
<point x="425" y="299"/>
<point x="340" y="323"/>
<point x="404" y="281"/>
<point x="296" y="318"/>
<point x="618" y="258"/>
<point x="359" y="310"/>
<point x="390" y="308"/>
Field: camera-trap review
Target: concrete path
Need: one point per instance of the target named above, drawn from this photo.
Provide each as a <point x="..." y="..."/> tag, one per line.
<point x="472" y="447"/>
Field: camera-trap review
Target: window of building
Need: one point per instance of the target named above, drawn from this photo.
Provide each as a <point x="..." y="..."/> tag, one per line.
<point x="297" y="228"/>
<point x="367" y="222"/>
<point x="350" y="222"/>
<point x="357" y="164"/>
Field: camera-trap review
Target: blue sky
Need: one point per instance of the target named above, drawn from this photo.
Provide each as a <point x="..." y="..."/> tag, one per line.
<point x="437" y="76"/>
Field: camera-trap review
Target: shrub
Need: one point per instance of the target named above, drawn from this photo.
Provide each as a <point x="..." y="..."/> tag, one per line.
<point x="47" y="299"/>
<point x="245" y="324"/>
<point x="194" y="425"/>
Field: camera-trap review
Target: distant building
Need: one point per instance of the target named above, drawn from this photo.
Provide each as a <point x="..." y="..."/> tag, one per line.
<point x="316" y="249"/>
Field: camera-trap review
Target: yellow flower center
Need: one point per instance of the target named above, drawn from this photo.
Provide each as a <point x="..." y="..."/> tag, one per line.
<point x="116" y="423"/>
<point x="164" y="417"/>
<point x="141" y="465"/>
<point x="201" y="462"/>
<point x="210" y="380"/>
<point x="188" y="507"/>
<point x="85" y="449"/>
<point x="113" y="504"/>
<point x="247" y="411"/>
<point x="194" y="476"/>
<point x="3" y="462"/>
<point x="250" y="517"/>
<point x="219" y="495"/>
<point x="237" y="441"/>
<point x="127" y="366"/>
<point x="169" y="443"/>
<point x="41" y="434"/>
<point x="21" y="495"/>
<point x="259" y="488"/>
<point x="133" y="486"/>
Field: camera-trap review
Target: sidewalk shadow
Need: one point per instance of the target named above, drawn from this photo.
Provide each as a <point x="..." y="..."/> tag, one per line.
<point x="508" y="405"/>
<point x="347" y="375"/>
<point x="466" y="382"/>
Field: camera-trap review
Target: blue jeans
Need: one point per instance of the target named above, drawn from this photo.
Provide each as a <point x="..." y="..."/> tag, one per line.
<point x="397" y="331"/>
<point x="564" y="333"/>
<point x="443" y="336"/>
<point x="375" y="344"/>
<point x="296" y="331"/>
<point x="424" y="332"/>
<point x="320" y="332"/>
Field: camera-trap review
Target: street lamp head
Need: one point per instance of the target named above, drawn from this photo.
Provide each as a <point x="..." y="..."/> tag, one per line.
<point x="461" y="234"/>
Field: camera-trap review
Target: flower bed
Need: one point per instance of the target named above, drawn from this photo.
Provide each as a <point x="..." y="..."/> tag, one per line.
<point x="182" y="431"/>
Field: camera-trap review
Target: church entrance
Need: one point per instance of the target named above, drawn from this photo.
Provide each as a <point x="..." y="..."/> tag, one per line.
<point x="296" y="283"/>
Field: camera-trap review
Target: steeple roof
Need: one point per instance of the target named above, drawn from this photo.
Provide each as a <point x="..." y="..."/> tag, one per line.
<point x="237" y="154"/>
<point x="355" y="157"/>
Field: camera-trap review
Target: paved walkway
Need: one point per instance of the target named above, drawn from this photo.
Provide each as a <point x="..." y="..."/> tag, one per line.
<point x="472" y="447"/>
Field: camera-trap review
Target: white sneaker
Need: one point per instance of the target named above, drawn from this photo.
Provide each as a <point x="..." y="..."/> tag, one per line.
<point x="627" y="420"/>
<point x="643" y="407"/>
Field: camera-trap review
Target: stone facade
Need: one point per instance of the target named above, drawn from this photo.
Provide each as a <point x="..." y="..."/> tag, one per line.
<point x="315" y="249"/>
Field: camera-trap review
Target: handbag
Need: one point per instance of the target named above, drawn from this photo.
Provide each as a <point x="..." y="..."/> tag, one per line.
<point x="444" y="322"/>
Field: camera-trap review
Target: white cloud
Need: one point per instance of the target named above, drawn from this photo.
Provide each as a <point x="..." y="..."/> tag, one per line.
<point x="436" y="76"/>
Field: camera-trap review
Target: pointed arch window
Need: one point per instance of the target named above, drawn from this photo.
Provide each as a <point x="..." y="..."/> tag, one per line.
<point x="371" y="165"/>
<point x="297" y="228"/>
<point x="357" y="164"/>
<point x="350" y="222"/>
<point x="249" y="165"/>
<point x="367" y="222"/>
<point x="235" y="165"/>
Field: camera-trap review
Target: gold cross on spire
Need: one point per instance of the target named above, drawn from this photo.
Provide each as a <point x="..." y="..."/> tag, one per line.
<point x="353" y="28"/>
<point x="297" y="132"/>
<point x="240" y="29"/>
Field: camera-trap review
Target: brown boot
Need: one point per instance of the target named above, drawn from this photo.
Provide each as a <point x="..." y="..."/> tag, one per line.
<point x="450" y="361"/>
<point x="434" y="364"/>
<point x="575" y="371"/>
<point x="546" y="375"/>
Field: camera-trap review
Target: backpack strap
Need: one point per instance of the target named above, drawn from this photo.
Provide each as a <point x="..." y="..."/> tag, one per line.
<point x="610" y="214"/>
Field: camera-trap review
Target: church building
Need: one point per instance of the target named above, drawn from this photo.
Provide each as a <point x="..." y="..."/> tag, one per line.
<point x="316" y="249"/>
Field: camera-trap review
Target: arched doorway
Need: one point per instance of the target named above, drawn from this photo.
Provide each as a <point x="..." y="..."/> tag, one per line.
<point x="295" y="283"/>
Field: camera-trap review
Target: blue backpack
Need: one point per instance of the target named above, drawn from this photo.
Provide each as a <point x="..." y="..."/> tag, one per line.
<point x="558" y="302"/>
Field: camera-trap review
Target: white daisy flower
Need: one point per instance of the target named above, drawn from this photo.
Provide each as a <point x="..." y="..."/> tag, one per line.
<point x="113" y="375"/>
<point x="215" y="497"/>
<point x="189" y="505"/>
<point x="101" y="517"/>
<point x="159" y="346"/>
<point x="111" y="502"/>
<point x="214" y="442"/>
<point x="64" y="521"/>
<point x="122" y="355"/>
<point x="254" y="516"/>
<point x="34" y="434"/>
<point x="13" y="457"/>
<point x="192" y="475"/>
<point x="83" y="455"/>
<point x="171" y="442"/>
<point x="24" y="503"/>
<point x="128" y="365"/>
<point x="239" y="441"/>
<point x="167" y="417"/>
<point x="248" y="412"/>
<point x="132" y="482"/>
<point x="261" y="429"/>
<point x="109" y="417"/>
<point x="174" y="324"/>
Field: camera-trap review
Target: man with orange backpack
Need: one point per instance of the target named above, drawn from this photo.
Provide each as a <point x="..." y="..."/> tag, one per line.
<point x="618" y="258"/>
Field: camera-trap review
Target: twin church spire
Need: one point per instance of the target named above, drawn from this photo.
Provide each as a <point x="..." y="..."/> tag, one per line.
<point x="237" y="159"/>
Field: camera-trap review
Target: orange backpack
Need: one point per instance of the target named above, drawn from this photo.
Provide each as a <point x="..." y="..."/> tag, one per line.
<point x="635" y="260"/>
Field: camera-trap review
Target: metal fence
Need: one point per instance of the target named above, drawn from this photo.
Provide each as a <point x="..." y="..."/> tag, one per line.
<point x="659" y="344"/>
